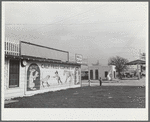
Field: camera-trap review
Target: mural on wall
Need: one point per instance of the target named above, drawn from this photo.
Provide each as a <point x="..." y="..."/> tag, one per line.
<point x="49" y="75"/>
<point x="58" y="74"/>
<point x="44" y="81"/>
<point x="68" y="76"/>
<point x="33" y="77"/>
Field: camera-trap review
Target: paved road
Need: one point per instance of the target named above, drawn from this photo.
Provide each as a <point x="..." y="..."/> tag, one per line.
<point x="116" y="82"/>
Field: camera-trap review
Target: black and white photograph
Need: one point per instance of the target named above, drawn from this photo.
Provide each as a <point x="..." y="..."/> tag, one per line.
<point x="76" y="60"/>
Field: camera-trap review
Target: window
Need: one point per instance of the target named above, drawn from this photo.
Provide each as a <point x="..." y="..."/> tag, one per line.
<point x="96" y="74"/>
<point x="14" y="73"/>
<point x="91" y="74"/>
<point x="106" y="73"/>
<point x="114" y="74"/>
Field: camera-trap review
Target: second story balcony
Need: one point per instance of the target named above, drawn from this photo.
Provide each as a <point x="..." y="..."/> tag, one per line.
<point x="12" y="47"/>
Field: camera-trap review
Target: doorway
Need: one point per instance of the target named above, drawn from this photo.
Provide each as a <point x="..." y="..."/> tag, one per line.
<point x="14" y="74"/>
<point x="106" y="73"/>
<point x="114" y="74"/>
<point x="91" y="74"/>
<point x="96" y="74"/>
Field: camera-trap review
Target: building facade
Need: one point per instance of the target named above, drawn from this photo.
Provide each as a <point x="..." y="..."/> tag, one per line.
<point x="31" y="69"/>
<point x="105" y="72"/>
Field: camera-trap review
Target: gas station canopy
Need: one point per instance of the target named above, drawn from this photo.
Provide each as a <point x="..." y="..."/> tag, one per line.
<point x="136" y="62"/>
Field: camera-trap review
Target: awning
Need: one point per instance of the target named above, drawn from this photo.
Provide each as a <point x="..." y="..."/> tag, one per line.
<point x="39" y="59"/>
<point x="136" y="62"/>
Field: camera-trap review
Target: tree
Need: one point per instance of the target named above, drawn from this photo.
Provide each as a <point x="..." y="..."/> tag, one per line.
<point x="120" y="64"/>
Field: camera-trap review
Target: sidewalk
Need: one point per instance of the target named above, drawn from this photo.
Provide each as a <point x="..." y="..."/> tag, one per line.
<point x="117" y="82"/>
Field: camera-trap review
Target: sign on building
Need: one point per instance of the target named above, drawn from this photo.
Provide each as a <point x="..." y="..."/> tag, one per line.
<point x="34" y="50"/>
<point x="78" y="58"/>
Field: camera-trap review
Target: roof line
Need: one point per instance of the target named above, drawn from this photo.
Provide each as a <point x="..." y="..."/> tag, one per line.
<point x="44" y="46"/>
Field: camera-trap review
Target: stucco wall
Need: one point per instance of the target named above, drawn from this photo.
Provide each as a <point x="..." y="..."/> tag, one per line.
<point x="6" y="74"/>
<point x="47" y="80"/>
<point x="102" y="70"/>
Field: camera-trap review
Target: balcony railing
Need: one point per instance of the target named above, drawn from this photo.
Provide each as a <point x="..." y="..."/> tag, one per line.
<point x="12" y="47"/>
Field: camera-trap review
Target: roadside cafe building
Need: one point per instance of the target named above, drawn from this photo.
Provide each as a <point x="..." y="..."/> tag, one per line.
<point x="105" y="72"/>
<point x="31" y="69"/>
<point x="140" y="64"/>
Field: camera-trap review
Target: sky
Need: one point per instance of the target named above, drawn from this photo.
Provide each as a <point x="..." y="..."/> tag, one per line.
<point x="97" y="30"/>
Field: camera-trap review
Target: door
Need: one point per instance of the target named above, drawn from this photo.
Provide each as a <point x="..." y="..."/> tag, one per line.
<point x="91" y="74"/>
<point x="106" y="73"/>
<point x="96" y="74"/>
<point x="14" y="73"/>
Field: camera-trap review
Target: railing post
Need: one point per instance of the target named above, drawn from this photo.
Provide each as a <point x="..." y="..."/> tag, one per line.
<point x="19" y="48"/>
<point x="8" y="47"/>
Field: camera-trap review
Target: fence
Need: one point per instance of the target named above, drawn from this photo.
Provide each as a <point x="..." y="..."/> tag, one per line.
<point x="12" y="47"/>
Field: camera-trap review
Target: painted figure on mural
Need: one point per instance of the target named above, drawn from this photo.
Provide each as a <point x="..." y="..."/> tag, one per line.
<point x="33" y="75"/>
<point x="57" y="77"/>
<point x="45" y="81"/>
<point x="68" y="76"/>
<point x="77" y="75"/>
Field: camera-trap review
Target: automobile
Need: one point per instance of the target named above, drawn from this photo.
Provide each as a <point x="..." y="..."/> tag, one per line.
<point x="128" y="74"/>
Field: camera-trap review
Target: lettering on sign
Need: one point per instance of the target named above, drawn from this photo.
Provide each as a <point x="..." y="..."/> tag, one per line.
<point x="56" y="66"/>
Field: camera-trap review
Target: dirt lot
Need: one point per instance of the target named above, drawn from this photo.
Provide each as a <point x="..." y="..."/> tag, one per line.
<point x="86" y="97"/>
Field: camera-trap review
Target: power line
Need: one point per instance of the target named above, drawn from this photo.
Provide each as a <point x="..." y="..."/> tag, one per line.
<point x="60" y="20"/>
<point x="81" y="24"/>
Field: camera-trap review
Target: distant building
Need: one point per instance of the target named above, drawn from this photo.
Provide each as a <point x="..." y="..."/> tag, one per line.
<point x="138" y="67"/>
<point x="84" y="75"/>
<point x="105" y="72"/>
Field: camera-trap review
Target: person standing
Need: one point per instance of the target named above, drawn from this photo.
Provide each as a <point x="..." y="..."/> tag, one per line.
<point x="89" y="82"/>
<point x="100" y="81"/>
